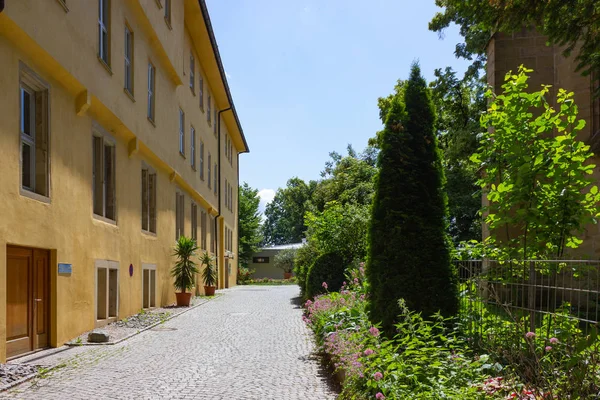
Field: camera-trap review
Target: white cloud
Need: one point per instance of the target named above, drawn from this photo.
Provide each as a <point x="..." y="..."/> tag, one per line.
<point x="227" y="75"/>
<point x="266" y="196"/>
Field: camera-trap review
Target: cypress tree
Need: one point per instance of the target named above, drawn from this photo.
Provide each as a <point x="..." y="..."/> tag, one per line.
<point x="409" y="250"/>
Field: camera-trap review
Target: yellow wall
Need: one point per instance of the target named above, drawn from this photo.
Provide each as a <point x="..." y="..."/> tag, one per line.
<point x="61" y="48"/>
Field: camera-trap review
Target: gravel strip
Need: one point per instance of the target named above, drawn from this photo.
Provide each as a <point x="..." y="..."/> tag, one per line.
<point x="10" y="373"/>
<point x="134" y="323"/>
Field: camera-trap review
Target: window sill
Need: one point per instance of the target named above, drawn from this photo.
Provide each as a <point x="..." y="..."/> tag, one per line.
<point x="168" y="24"/>
<point x="182" y="155"/>
<point x="194" y="168"/>
<point x="149" y="235"/>
<point x="193" y="92"/>
<point x="105" y="220"/>
<point x="103" y="322"/>
<point x="34" y="196"/>
<point x="129" y="94"/>
<point x="105" y="65"/>
<point x="159" y="4"/>
<point x="152" y="122"/>
<point x="202" y="108"/>
<point x="63" y="4"/>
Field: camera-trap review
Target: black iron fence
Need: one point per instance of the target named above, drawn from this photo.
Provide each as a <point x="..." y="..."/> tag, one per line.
<point x="530" y="291"/>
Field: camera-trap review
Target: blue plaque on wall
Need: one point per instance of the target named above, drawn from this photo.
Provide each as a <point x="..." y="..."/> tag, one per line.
<point x="65" y="268"/>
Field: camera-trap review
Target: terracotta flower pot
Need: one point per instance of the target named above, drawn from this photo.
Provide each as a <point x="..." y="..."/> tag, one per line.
<point x="209" y="290"/>
<point x="183" y="299"/>
<point x="287" y="275"/>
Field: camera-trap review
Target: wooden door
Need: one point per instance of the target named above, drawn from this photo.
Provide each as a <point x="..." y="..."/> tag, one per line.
<point x="27" y="300"/>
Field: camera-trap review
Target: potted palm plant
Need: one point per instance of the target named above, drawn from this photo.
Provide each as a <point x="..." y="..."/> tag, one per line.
<point x="184" y="269"/>
<point x="209" y="274"/>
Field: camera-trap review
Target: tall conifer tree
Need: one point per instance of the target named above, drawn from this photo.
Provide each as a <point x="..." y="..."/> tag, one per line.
<point x="409" y="251"/>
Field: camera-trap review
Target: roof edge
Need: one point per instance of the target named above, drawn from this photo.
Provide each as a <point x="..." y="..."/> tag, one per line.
<point x="215" y="47"/>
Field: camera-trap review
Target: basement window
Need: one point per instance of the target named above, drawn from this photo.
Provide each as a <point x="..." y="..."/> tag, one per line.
<point x="107" y="291"/>
<point x="148" y="285"/>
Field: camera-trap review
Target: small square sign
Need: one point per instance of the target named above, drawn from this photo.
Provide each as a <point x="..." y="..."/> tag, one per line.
<point x="65" y="268"/>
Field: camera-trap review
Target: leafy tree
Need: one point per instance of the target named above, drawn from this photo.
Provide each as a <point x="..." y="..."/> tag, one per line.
<point x="574" y="24"/>
<point x="459" y="104"/>
<point x="538" y="178"/>
<point x="284" y="222"/>
<point x="248" y="223"/>
<point x="340" y="228"/>
<point x="408" y="255"/>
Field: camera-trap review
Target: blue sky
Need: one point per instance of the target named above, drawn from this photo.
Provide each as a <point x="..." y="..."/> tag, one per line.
<point x="305" y="75"/>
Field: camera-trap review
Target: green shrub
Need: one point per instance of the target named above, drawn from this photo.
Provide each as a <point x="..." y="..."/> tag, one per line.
<point x="328" y="268"/>
<point x="305" y="258"/>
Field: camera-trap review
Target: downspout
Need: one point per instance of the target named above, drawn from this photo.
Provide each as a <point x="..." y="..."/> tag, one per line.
<point x="237" y="221"/>
<point x="218" y="187"/>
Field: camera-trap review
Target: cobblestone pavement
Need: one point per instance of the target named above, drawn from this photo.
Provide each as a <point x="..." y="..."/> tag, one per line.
<point x="249" y="343"/>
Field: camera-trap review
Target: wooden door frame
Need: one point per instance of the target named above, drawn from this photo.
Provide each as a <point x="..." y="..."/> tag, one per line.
<point x="31" y="304"/>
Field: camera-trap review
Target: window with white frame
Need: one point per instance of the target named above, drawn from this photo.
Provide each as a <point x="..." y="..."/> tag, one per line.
<point x="104" y="31"/>
<point x="215" y="179"/>
<point x="148" y="199"/>
<point x="151" y="90"/>
<point x="181" y="132"/>
<point x="103" y="170"/>
<point x="203" y="230"/>
<point x="208" y="110"/>
<point x="194" y="219"/>
<point x="192" y="73"/>
<point x="193" y="147"/>
<point x="208" y="172"/>
<point x="179" y="215"/>
<point x="128" y="59"/>
<point x="107" y="291"/>
<point x="213" y="236"/>
<point x="201" y="92"/>
<point x="201" y="163"/>
<point x="216" y="121"/>
<point x="226" y="194"/>
<point x="148" y="285"/>
<point x="34" y="133"/>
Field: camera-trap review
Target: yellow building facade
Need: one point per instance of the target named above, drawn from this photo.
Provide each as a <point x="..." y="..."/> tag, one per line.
<point x="118" y="134"/>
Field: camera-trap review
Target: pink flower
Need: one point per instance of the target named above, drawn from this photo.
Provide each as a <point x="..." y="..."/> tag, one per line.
<point x="374" y="331"/>
<point x="324" y="284"/>
<point x="530" y="335"/>
<point x="308" y="303"/>
<point x="377" y="375"/>
<point x="548" y="348"/>
<point x="356" y="281"/>
<point x="368" y="352"/>
<point x="553" y="340"/>
<point x="380" y="396"/>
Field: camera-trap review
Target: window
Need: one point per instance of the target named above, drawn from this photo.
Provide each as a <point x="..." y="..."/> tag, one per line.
<point x="194" y="218"/>
<point x="212" y="235"/>
<point x="103" y="167"/>
<point x="201" y="160"/>
<point x="215" y="179"/>
<point x="181" y="132"/>
<point x="208" y="109"/>
<point x="209" y="176"/>
<point x="201" y="92"/>
<point x="216" y="121"/>
<point x="34" y="135"/>
<point x="192" y="73"/>
<point x="107" y="290"/>
<point x="226" y="146"/>
<point x="128" y="60"/>
<point x="193" y="147"/>
<point x="226" y="194"/>
<point x="148" y="200"/>
<point x="260" y="260"/>
<point x="148" y="285"/>
<point x="151" y="82"/>
<point x="104" y="31"/>
<point x="203" y="230"/>
<point x="168" y="13"/>
<point x="179" y="214"/>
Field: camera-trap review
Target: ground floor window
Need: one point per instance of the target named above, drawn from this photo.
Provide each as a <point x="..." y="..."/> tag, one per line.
<point x="107" y="290"/>
<point x="148" y="285"/>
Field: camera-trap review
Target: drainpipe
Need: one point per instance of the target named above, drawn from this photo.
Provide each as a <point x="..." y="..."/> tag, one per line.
<point x="219" y="186"/>
<point x="237" y="221"/>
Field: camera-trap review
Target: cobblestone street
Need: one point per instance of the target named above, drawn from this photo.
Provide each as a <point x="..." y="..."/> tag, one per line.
<point x="250" y="343"/>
